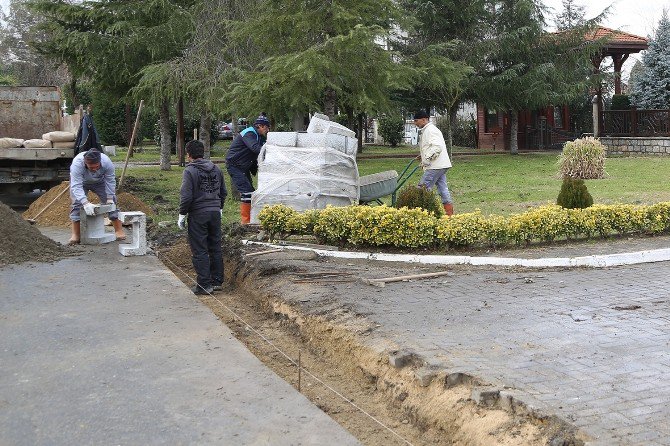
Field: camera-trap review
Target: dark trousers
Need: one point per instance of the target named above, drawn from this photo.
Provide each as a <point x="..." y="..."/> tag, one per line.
<point x="204" y="237"/>
<point x="242" y="180"/>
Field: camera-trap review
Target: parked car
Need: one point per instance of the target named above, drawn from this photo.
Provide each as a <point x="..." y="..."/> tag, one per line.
<point x="225" y="130"/>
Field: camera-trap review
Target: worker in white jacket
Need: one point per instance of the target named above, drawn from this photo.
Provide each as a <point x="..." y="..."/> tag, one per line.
<point x="434" y="159"/>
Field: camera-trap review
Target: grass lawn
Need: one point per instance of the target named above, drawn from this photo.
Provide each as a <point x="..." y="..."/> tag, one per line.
<point x="501" y="184"/>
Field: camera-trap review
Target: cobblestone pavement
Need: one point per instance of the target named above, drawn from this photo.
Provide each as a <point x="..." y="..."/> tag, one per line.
<point x="589" y="345"/>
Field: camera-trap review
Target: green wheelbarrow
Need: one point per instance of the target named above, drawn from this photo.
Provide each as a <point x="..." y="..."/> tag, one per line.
<point x="378" y="185"/>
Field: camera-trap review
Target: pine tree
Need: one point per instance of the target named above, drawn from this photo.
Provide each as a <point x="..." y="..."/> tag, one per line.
<point x="571" y="16"/>
<point x="651" y="89"/>
<point x="527" y="68"/>
<point x="316" y="55"/>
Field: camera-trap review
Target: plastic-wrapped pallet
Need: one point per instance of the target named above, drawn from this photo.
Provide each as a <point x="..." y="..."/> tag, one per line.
<point x="345" y="144"/>
<point x="304" y="178"/>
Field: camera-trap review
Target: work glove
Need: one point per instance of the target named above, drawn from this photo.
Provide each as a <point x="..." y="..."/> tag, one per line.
<point x="181" y="221"/>
<point x="221" y="212"/>
<point x="89" y="208"/>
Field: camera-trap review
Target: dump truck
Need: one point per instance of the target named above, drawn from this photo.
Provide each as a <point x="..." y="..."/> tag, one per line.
<point x="28" y="113"/>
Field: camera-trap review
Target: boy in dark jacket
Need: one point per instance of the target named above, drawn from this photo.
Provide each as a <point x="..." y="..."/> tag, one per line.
<point x="203" y="192"/>
<point x="242" y="161"/>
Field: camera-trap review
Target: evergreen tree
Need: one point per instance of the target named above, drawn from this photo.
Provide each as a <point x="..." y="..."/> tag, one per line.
<point x="634" y="77"/>
<point x="651" y="88"/>
<point x="316" y="55"/>
<point x="527" y="68"/>
<point x="439" y="47"/>
<point x="571" y="16"/>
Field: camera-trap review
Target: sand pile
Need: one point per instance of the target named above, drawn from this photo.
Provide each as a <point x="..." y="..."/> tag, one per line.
<point x="58" y="214"/>
<point x="22" y="242"/>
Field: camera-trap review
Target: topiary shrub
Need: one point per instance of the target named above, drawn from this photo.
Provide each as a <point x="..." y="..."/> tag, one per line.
<point x="574" y="194"/>
<point x="392" y="129"/>
<point x="583" y="158"/>
<point x="419" y="197"/>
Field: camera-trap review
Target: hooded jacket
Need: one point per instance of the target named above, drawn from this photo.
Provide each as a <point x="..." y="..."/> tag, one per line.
<point x="202" y="188"/>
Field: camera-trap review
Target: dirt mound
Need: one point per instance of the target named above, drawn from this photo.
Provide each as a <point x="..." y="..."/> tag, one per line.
<point x="58" y="213"/>
<point x="21" y="242"/>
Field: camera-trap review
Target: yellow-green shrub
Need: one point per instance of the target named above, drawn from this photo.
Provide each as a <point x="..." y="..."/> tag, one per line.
<point x="302" y="223"/>
<point x="463" y="229"/>
<point x="386" y="226"/>
<point x="274" y="218"/>
<point x="333" y="224"/>
<point x="658" y="217"/>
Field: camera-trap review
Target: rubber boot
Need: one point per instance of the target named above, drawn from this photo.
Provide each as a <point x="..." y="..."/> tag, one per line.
<point x="245" y="213"/>
<point x="76" y="233"/>
<point x="118" y="229"/>
<point x="448" y="209"/>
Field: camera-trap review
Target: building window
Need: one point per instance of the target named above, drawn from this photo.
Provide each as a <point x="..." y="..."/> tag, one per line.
<point x="558" y="117"/>
<point x="491" y="121"/>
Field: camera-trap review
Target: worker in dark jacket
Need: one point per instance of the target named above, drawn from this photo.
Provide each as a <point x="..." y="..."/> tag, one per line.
<point x="242" y="161"/>
<point x="203" y="192"/>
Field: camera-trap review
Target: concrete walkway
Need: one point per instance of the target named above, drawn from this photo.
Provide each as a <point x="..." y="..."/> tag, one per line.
<point x="102" y="349"/>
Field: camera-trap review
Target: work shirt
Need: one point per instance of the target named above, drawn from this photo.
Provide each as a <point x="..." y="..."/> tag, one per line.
<point x="81" y="176"/>
<point x="433" y="148"/>
<point x="202" y="188"/>
<point x="245" y="148"/>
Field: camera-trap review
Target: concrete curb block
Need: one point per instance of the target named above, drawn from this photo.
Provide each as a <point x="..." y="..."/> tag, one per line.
<point x="594" y="261"/>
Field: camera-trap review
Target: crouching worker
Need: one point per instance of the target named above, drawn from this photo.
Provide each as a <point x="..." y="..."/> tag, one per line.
<point x="242" y="161"/>
<point x="203" y="192"/>
<point x="92" y="171"/>
<point x="434" y="159"/>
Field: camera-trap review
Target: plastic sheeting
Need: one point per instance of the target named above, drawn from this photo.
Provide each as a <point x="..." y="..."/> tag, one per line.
<point x="304" y="178"/>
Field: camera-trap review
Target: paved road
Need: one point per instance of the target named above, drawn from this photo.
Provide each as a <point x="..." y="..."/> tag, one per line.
<point x="102" y="349"/>
<point x="590" y="345"/>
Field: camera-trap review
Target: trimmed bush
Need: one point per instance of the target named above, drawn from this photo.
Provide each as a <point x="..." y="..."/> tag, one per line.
<point x="582" y="158"/>
<point x="392" y="129"/>
<point x="419" y="197"/>
<point x="620" y="102"/>
<point x="413" y="228"/>
<point x="574" y="194"/>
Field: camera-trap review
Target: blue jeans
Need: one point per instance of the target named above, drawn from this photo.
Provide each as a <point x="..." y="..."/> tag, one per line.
<point x="242" y="180"/>
<point x="204" y="238"/>
<point x="437" y="177"/>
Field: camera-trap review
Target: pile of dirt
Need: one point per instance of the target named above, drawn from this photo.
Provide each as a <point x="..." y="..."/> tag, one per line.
<point x="21" y="242"/>
<point x="58" y="213"/>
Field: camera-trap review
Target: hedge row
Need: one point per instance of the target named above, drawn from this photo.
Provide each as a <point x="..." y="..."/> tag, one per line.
<point x="413" y="228"/>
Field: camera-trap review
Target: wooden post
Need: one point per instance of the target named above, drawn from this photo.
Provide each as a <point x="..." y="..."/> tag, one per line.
<point x="633" y="121"/>
<point x="180" y="132"/>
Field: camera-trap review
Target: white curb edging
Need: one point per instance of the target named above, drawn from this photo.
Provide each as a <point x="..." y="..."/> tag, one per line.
<point x="594" y="261"/>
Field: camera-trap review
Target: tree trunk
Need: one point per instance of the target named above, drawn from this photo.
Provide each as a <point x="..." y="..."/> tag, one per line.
<point x="75" y="95"/>
<point x="166" y="140"/>
<point x="298" y="122"/>
<point x="359" y="133"/>
<point x="451" y="123"/>
<point x="330" y="103"/>
<point x="180" y="133"/>
<point x="205" y="137"/>
<point x="514" y="132"/>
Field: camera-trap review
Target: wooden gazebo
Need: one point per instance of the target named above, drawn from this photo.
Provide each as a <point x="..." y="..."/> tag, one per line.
<point x="619" y="46"/>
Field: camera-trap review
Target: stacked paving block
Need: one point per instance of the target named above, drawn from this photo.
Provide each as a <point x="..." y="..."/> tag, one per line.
<point x="93" y="226"/>
<point x="138" y="236"/>
<point x="308" y="170"/>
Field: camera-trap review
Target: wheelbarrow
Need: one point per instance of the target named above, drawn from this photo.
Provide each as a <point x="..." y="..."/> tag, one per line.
<point x="378" y="185"/>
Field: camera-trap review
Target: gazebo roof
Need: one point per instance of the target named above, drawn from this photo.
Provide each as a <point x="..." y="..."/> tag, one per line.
<point x="619" y="41"/>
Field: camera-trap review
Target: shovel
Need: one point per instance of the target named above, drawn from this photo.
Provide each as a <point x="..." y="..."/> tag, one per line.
<point x="33" y="220"/>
